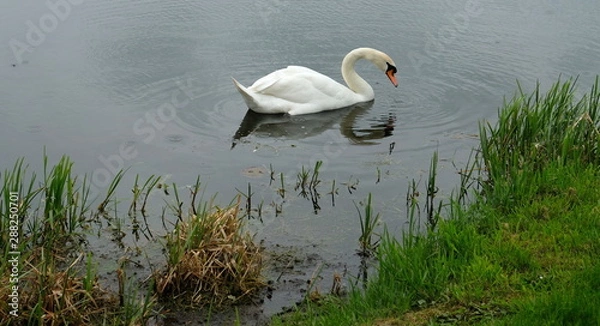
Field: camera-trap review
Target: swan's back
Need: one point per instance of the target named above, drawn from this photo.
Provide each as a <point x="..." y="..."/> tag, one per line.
<point x="270" y="79"/>
<point x="296" y="90"/>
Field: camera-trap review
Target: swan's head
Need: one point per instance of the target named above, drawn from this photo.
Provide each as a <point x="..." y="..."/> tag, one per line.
<point x="390" y="71"/>
<point x="378" y="58"/>
<point x="385" y="63"/>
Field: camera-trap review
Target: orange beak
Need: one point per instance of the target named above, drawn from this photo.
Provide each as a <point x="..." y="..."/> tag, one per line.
<point x="392" y="77"/>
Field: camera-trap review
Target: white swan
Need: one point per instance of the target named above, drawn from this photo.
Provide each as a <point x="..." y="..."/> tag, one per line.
<point x="299" y="90"/>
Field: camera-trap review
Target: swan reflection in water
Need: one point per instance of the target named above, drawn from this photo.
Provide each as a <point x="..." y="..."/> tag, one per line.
<point x="297" y="127"/>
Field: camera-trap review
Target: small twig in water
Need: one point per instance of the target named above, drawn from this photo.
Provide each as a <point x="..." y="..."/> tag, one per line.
<point x="271" y="174"/>
<point x="333" y="192"/>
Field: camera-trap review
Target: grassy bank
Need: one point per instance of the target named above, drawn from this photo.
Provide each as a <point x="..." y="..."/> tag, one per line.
<point x="524" y="251"/>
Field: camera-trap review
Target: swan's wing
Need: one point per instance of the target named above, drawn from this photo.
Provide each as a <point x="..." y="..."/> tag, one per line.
<point x="267" y="81"/>
<point x="299" y="85"/>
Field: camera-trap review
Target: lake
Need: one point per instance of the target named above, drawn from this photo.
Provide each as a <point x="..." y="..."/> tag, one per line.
<point x="147" y="85"/>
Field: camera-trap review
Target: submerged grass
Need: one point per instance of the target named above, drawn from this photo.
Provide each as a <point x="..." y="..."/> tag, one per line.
<point x="523" y="252"/>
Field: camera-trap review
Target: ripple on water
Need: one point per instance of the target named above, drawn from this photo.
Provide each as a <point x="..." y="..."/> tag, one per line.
<point x="129" y="45"/>
<point x="432" y="113"/>
<point x="213" y="113"/>
<point x="426" y="106"/>
<point x="198" y="115"/>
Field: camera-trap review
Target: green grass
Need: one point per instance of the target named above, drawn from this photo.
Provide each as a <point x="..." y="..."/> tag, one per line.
<point x="43" y="225"/>
<point x="368" y="222"/>
<point x="523" y="252"/>
<point x="535" y="130"/>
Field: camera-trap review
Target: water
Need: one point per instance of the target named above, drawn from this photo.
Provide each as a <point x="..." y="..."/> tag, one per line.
<point x="148" y="85"/>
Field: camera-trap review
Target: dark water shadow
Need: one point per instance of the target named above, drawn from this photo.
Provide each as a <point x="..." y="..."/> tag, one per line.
<point x="283" y="126"/>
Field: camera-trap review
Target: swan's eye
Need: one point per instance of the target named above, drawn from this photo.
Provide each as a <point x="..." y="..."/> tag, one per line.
<point x="391" y="68"/>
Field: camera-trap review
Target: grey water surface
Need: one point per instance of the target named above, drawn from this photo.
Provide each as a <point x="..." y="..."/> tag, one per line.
<point x="147" y="85"/>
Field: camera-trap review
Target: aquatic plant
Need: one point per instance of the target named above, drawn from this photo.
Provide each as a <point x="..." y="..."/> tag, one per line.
<point x="210" y="259"/>
<point x="43" y="246"/>
<point x="281" y="190"/>
<point x="152" y="183"/>
<point x="368" y="222"/>
<point x="351" y="184"/>
<point x="304" y="183"/>
<point x="314" y="180"/>
<point x="433" y="213"/>
<point x="333" y="192"/>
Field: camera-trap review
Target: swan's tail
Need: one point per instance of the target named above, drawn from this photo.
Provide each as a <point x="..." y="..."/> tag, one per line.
<point x="245" y="94"/>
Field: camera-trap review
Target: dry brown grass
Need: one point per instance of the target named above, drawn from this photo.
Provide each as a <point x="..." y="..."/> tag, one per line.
<point x="211" y="260"/>
<point x="56" y="297"/>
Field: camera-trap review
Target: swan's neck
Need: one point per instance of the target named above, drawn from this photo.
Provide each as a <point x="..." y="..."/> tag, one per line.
<point x="352" y="79"/>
